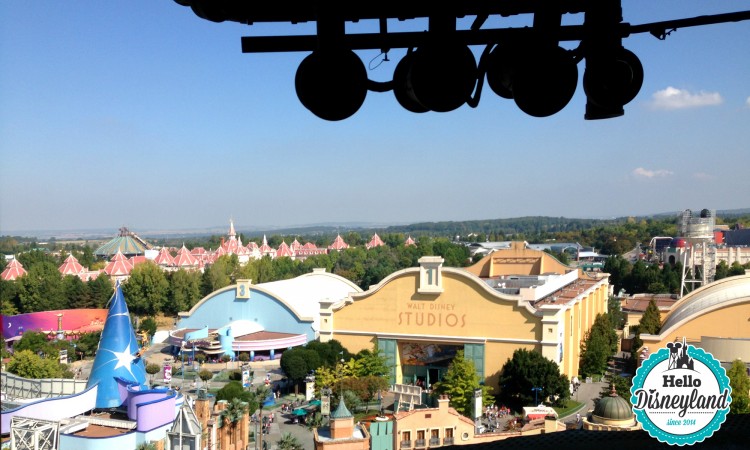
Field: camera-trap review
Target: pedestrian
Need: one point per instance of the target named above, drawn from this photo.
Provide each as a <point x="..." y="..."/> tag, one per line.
<point x="578" y="418"/>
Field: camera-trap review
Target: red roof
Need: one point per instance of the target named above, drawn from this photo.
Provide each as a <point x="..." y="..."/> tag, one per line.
<point x="184" y="258"/>
<point x="265" y="249"/>
<point x="138" y="259"/>
<point x="241" y="249"/>
<point x="295" y="245"/>
<point x="164" y="258"/>
<point x="13" y="270"/>
<point x="284" y="250"/>
<point x="310" y="246"/>
<point x="409" y="242"/>
<point x="338" y="243"/>
<point x="118" y="265"/>
<point x="375" y="242"/>
<point x="71" y="266"/>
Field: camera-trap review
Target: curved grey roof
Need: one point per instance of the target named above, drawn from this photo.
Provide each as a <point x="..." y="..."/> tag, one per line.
<point x="711" y="296"/>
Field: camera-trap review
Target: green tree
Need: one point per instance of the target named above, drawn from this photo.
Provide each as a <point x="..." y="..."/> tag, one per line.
<point x="41" y="289"/>
<point x="722" y="270"/>
<point x="370" y="363"/>
<point x="231" y="415"/>
<point x="101" y="291"/>
<point x="618" y="269"/>
<point x="614" y="311"/>
<point x="146" y="289"/>
<point x="152" y="369"/>
<point x="184" y="291"/>
<point x="622" y="386"/>
<point x="148" y="325"/>
<point x="289" y="442"/>
<point x="234" y="389"/>
<point x="9" y="302"/>
<point x="220" y="274"/>
<point x="650" y="322"/>
<point x="740" y="383"/>
<point x="77" y="292"/>
<point x="459" y="383"/>
<point x="205" y="375"/>
<point x="294" y="366"/>
<point x="736" y="269"/>
<point x="28" y="364"/>
<point x="594" y="354"/>
<point x="330" y="352"/>
<point x="529" y="369"/>
<point x="36" y="342"/>
<point x="151" y="445"/>
<point x="88" y="343"/>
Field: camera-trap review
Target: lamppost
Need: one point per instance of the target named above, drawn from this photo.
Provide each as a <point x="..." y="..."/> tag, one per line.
<point x="536" y="394"/>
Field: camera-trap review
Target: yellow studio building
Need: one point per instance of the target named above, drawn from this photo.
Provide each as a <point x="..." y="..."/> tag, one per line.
<point x="513" y="298"/>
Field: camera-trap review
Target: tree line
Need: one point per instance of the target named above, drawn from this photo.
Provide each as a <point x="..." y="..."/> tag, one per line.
<point x="151" y="291"/>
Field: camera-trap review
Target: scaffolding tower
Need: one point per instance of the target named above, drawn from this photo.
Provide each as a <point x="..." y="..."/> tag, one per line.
<point x="699" y="257"/>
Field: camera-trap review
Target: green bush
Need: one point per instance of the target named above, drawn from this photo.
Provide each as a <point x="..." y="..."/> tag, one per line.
<point x="205" y="375"/>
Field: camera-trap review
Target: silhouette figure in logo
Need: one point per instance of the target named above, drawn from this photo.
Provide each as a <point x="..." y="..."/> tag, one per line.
<point x="678" y="357"/>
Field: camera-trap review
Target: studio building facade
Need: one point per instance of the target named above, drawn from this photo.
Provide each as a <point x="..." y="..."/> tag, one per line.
<point x="514" y="298"/>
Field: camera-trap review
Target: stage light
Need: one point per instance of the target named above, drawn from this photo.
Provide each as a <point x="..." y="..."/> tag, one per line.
<point x="331" y="84"/>
<point x="613" y="80"/>
<point x="442" y="76"/>
<point x="544" y="80"/>
<point x="501" y="64"/>
<point x="402" y="89"/>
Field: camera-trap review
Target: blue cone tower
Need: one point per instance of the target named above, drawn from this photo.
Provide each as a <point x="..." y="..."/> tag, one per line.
<point x="117" y="356"/>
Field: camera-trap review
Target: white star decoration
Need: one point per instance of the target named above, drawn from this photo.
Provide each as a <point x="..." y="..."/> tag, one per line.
<point x="124" y="359"/>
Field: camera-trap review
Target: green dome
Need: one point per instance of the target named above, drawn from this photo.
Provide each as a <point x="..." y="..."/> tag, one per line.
<point x="341" y="412"/>
<point x="613" y="407"/>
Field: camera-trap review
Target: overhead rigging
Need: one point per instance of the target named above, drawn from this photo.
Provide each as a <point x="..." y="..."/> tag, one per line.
<point x="439" y="71"/>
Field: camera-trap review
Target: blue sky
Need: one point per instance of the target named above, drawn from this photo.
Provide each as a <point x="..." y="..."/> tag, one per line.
<point x="140" y="113"/>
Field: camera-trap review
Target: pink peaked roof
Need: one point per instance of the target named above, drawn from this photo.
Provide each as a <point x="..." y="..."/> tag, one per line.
<point x="164" y="258"/>
<point x="13" y="270"/>
<point x="266" y="249"/>
<point x="71" y="266"/>
<point x="338" y="243"/>
<point x="230" y="246"/>
<point x="241" y="249"/>
<point x="375" y="242"/>
<point x="284" y="250"/>
<point x="198" y="251"/>
<point x="184" y="258"/>
<point x="410" y="242"/>
<point x="137" y="259"/>
<point x="295" y="245"/>
<point x="118" y="265"/>
<point x="252" y="246"/>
